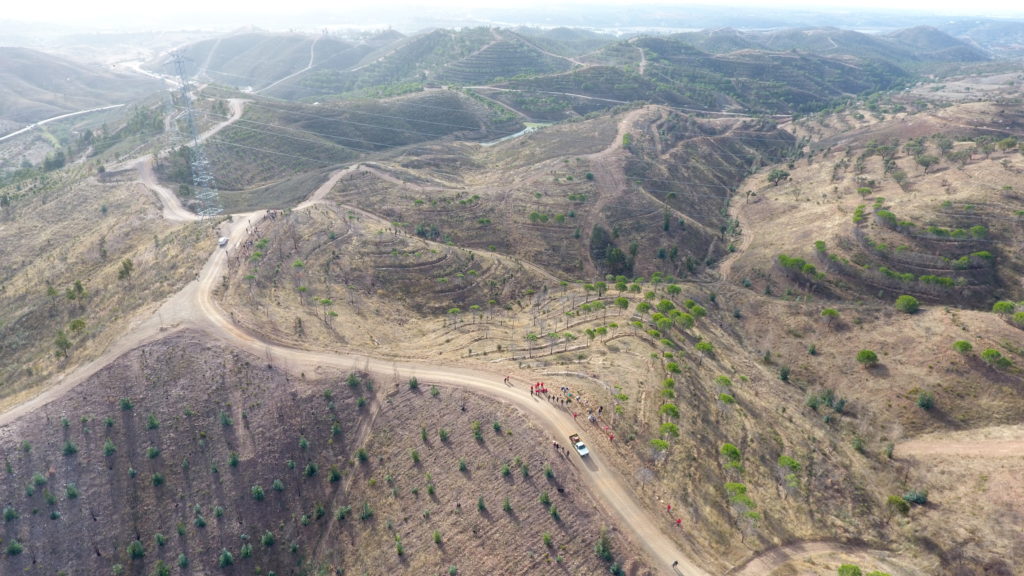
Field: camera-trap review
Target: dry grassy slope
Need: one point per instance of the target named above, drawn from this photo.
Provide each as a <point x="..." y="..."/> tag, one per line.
<point x="837" y="493"/>
<point x="413" y="500"/>
<point x="778" y="315"/>
<point x="768" y="420"/>
<point x="372" y="276"/>
<point x="55" y="237"/>
<point x="198" y="404"/>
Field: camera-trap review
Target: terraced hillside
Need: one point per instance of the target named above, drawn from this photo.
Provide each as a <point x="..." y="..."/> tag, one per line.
<point x="933" y="215"/>
<point x="277" y="140"/>
<point x="790" y="342"/>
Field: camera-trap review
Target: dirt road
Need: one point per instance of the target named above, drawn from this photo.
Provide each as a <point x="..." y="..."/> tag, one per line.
<point x="194" y="307"/>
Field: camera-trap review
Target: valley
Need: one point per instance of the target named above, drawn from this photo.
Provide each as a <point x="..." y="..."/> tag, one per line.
<point x="796" y="324"/>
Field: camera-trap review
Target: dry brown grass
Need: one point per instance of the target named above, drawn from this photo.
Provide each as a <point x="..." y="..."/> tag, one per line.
<point x="81" y="229"/>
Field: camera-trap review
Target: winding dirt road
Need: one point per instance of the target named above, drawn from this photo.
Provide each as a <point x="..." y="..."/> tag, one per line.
<point x="194" y="307"/>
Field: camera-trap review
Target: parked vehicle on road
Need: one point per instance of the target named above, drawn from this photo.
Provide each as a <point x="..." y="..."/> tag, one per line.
<point x="578" y="444"/>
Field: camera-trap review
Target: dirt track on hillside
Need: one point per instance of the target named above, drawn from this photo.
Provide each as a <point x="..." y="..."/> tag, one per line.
<point x="195" y="307"/>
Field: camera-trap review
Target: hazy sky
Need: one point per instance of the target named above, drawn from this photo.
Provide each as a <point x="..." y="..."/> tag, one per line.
<point x="150" y="14"/>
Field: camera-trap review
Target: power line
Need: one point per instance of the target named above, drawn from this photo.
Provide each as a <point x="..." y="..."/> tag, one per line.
<point x="202" y="178"/>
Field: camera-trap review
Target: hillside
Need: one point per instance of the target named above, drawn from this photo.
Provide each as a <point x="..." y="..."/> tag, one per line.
<point x="778" y="292"/>
<point x="35" y="86"/>
<point x="141" y="481"/>
<point x="901" y="47"/>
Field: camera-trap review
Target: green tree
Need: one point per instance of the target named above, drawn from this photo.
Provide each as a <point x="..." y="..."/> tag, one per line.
<point x="777" y="175"/>
<point x="962" y="346"/>
<point x="62" y="344"/>
<point x="77" y="325"/>
<point x="704" y="347"/>
<point x="926" y="161"/>
<point x="1004" y="307"/>
<point x="829" y="314"/>
<point x="907" y="304"/>
<point x="125" y="271"/>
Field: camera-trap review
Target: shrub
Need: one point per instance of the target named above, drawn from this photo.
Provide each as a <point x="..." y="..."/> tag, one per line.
<point x="10" y="514"/>
<point x="443" y="434"/>
<point x="898" y="504"/>
<point x="278" y="485"/>
<point x="994" y="358"/>
<point x="480" y="506"/>
<point x="907" y="304"/>
<point x="182" y="561"/>
<point x="726" y="398"/>
<point x="962" y="346"/>
<point x="70" y="449"/>
<point x="925" y="400"/>
<point x="152" y="423"/>
<point x="333" y="475"/>
<point x="789" y="463"/>
<point x="310" y="470"/>
<point x="109" y="448"/>
<point x="366" y="513"/>
<point x="506" y="505"/>
<point x="603" y="546"/>
<point x="257" y="492"/>
<point x="546" y="538"/>
<point x="414" y="384"/>
<point x="784" y="373"/>
<point x="867" y="358"/>
<point x="126" y="404"/>
<point x="152" y="452"/>
<point x="157" y="479"/>
<point x="545" y="499"/>
<point x="71" y="491"/>
<point x="462" y="465"/>
<point x="136" y="549"/>
<point x="848" y="570"/>
<point x="160" y="569"/>
<point x="918" y="497"/>
<point x="226" y="558"/>
<point x="342" y="512"/>
<point x="732" y="453"/>
<point x="14" y="548"/>
<point x="415" y="456"/>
